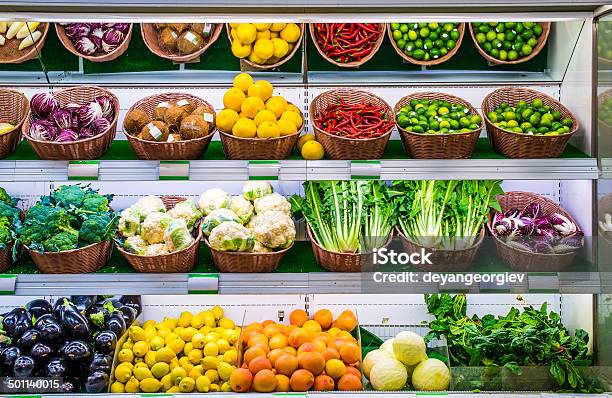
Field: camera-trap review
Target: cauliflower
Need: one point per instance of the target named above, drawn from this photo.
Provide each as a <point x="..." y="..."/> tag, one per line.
<point x="188" y="211"/>
<point x="147" y="205"/>
<point x="129" y="223"/>
<point x="231" y="236"/>
<point x="274" y="229"/>
<point x="156" y="250"/>
<point x="251" y="224"/>
<point x="154" y="226"/>
<point x="256" y="189"/>
<point x="177" y="235"/>
<point x="272" y="202"/>
<point x="259" y="248"/>
<point x="216" y="217"/>
<point x="242" y="207"/>
<point x="136" y="245"/>
<point x="213" y="199"/>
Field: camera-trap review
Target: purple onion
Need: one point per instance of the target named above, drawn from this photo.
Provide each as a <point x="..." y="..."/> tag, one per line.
<point x="42" y="104"/>
<point x="122" y="27"/>
<point x="77" y="30"/>
<point x="532" y="210"/>
<point x="62" y="118"/>
<point x="42" y="130"/>
<point x="106" y="103"/>
<point x="88" y="113"/>
<point x="85" y="46"/>
<point x="111" y="40"/>
<point x="66" y="135"/>
<point x="100" y="125"/>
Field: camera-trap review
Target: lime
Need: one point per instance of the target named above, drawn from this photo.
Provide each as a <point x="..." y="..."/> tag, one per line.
<point x="481" y="38"/>
<point x="503" y="55"/>
<point x="395" y="26"/>
<point x="418" y="54"/>
<point x="404" y="28"/>
<point x="397" y="35"/>
<point x="567" y="122"/>
<point x="494" y="53"/>
<point x="491" y="35"/>
<point x="455" y="35"/>
<point x="424" y="32"/>
<point x="401" y="44"/>
<point x="512" y="55"/>
<point x="537" y="30"/>
<point x="537" y="103"/>
<point x="412" y="35"/>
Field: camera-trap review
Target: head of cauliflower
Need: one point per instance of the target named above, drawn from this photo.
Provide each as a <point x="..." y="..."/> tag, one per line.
<point x="217" y="217"/>
<point x="129" y="222"/>
<point x="242" y="207"/>
<point x="157" y="249"/>
<point x="252" y="190"/>
<point x="274" y="229"/>
<point x="259" y="248"/>
<point x="231" y="236"/>
<point x="188" y="211"/>
<point x="213" y="199"/>
<point x="154" y="226"/>
<point x="135" y="245"/>
<point x="147" y="205"/>
<point x="272" y="202"/>
<point x="177" y="236"/>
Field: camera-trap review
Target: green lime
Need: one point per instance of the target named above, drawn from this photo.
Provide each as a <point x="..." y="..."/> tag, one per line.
<point x="412" y="35"/>
<point x="556" y="115"/>
<point x="397" y="35"/>
<point x="537" y="103"/>
<point x="401" y="44"/>
<point x="494" y="53"/>
<point x="424" y="32"/>
<point x="537" y="30"/>
<point x="509" y="115"/>
<point x="484" y="28"/>
<point x="567" y="122"/>
<point x="491" y="35"/>
<point x="455" y="35"/>
<point x="404" y="28"/>
<point x="503" y="55"/>
<point x="492" y="117"/>
<point x="435" y="53"/>
<point x="481" y="38"/>
<point x="512" y="55"/>
<point x="443" y="111"/>
<point x="418" y="54"/>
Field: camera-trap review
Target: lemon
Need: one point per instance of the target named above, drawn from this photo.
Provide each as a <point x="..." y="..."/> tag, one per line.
<point x="262" y="89"/>
<point x="263" y="35"/>
<point x="276" y="105"/>
<point x="128" y="365"/>
<point x="174" y="363"/>
<point x="263" y="116"/>
<point x="188" y="366"/>
<point x="217" y="312"/>
<point x="246" y="33"/>
<point x="177" y="374"/>
<point x="226" y="387"/>
<point x="127" y="345"/>
<point x="137" y="333"/>
<point x="209" y="319"/>
<point x="242" y="81"/>
<point x="160" y="369"/>
<point x="230" y="356"/>
<point x="150" y="332"/>
<point x="170" y="322"/>
<point x="197" y="341"/>
<point x="123" y="373"/>
<point x="255" y="59"/>
<point x="291" y="33"/>
<point x="223" y="346"/>
<point x="156" y="343"/>
<point x="203" y="384"/>
<point x="277" y="27"/>
<point x="268" y="130"/>
<point x="150" y="358"/>
<point x="233" y="34"/>
<point x="226" y="119"/>
<point x="210" y="362"/>
<point x="188" y="333"/>
<point x="281" y="47"/>
<point x="241" y="50"/>
<point x="166" y="382"/>
<point x="142" y="373"/>
<point x="132" y="385"/>
<point x="204" y="330"/>
<point x="197" y="321"/>
<point x="262" y="26"/>
<point x="196" y="372"/>
<point x="211" y="349"/>
<point x="176" y="346"/>
<point x="212" y="375"/>
<point x="225" y="371"/>
<point x="187" y="349"/>
<point x="263" y="48"/>
<point x="234" y="25"/>
<point x="165" y="354"/>
<point x="274" y="35"/>
<point x="170" y="337"/>
<point x="140" y="348"/>
<point x="187" y="384"/>
<point x="117" y="388"/>
<point x="272" y="60"/>
<point x="148" y="324"/>
<point x="293" y="108"/>
<point x="286" y="127"/>
<point x="195" y="356"/>
<point x="163" y="332"/>
<point x="294" y="117"/>
<point x="140" y="365"/>
<point x="252" y="105"/>
<point x="233" y="99"/>
<point x="173" y="389"/>
<point x="226" y="323"/>
<point x="125" y="355"/>
<point x="244" y="128"/>
<point x="312" y="150"/>
<point x="150" y="385"/>
<point x="185" y="319"/>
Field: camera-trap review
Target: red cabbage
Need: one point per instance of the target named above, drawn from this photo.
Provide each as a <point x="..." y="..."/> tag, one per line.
<point x="111" y="40"/>
<point x="106" y="103"/>
<point x="85" y="46"/>
<point x="42" y="104"/>
<point x="90" y="112"/>
<point x="62" y="118"/>
<point x="66" y="135"/>
<point x="100" y="125"/>
<point x="42" y="130"/>
<point x="77" y="30"/>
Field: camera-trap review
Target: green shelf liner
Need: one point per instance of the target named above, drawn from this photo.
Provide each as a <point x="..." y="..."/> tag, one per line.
<point x="121" y="150"/>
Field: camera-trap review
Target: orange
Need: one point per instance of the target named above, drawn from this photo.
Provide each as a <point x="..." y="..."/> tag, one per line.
<point x="290" y="350"/>
<point x="289" y="329"/>
<point x="301" y="380"/>
<point x="353" y="370"/>
<point x="271" y="330"/>
<point x="282" y="383"/>
<point x="323" y="336"/>
<point x="323" y="383"/>
<point x="241" y="380"/>
<point x="312" y="326"/>
<point x="330" y="353"/>
<point x="264" y="381"/>
<point x="349" y="382"/>
<point x="275" y="354"/>
<point x="253" y="353"/>
<point x="333" y="331"/>
<point x="320" y="346"/>
<point x="307" y="347"/>
<point x="324" y="317"/>
<point x="257" y="339"/>
<point x="278" y="341"/>
<point x="258" y="364"/>
<point x="350" y="353"/>
<point x="298" y="317"/>
<point x="267" y="322"/>
<point x="335" y="368"/>
<point x="346" y="321"/>
<point x="286" y="364"/>
<point x="298" y="337"/>
<point x="312" y="361"/>
<point x="263" y="346"/>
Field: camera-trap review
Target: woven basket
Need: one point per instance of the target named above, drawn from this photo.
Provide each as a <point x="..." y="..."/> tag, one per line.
<point x="348" y="148"/>
<point x="354" y="64"/>
<point x="121" y="48"/>
<point x="253" y="66"/>
<point x="444" y="260"/>
<point x="526" y="261"/>
<point x="6" y="257"/>
<point x="246" y="262"/>
<point x="90" y="148"/>
<point x="177" y="262"/>
<point x="78" y="261"/>
<point x="431" y="62"/>
<point x="150" y="36"/>
<point x="520" y="145"/>
<point x="178" y="150"/>
<point x="14" y="108"/>
<point x="343" y="262"/>
<point x="494" y="61"/>
<point x="438" y="146"/>
<point x="32" y="51"/>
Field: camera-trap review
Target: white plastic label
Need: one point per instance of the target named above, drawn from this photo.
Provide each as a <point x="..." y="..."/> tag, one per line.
<point x="183" y="102"/>
<point x="208" y="117"/>
<point x="203" y="284"/>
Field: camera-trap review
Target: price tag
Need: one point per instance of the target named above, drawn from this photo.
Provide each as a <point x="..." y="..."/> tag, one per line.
<point x="264" y="169"/>
<point x="203" y="284"/>
<point x="83" y="169"/>
<point x="7" y="284"/>
<point x="174" y="170"/>
<point x="365" y="169"/>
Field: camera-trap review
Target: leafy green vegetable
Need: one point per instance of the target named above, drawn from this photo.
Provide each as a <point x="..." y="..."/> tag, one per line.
<point x="97" y="228"/>
<point x="63" y="241"/>
<point x="6" y="198"/>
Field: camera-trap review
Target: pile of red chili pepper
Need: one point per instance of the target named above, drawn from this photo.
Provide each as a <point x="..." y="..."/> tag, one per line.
<point x="358" y="121"/>
<point x="347" y="42"/>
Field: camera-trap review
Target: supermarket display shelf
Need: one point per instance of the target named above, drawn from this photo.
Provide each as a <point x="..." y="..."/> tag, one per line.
<point x="120" y="164"/>
<point x="341" y="394"/>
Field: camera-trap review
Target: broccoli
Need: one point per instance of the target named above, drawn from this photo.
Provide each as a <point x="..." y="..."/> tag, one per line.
<point x="66" y="240"/>
<point x="6" y="235"/>
<point x="97" y="228"/>
<point x="43" y="222"/>
<point x="8" y="211"/>
<point x="94" y="202"/>
<point x="69" y="196"/>
<point x="6" y="198"/>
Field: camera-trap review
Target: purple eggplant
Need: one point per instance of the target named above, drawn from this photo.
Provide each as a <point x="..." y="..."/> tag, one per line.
<point x="128" y="313"/>
<point x="96" y="382"/>
<point x="73" y="321"/>
<point x="76" y="351"/>
<point x="41" y="352"/>
<point x="16" y="322"/>
<point x="132" y="301"/>
<point x="82" y="303"/>
<point x="105" y="342"/>
<point x="23" y="366"/>
<point x="101" y="362"/>
<point x="28" y="339"/>
<point x="8" y="357"/>
<point x="70" y="386"/>
<point x="55" y="368"/>
<point x="38" y="308"/>
<point x="51" y="332"/>
<point x="116" y="324"/>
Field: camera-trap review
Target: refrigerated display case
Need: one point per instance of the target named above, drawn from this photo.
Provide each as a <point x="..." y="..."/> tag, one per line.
<point x="572" y="67"/>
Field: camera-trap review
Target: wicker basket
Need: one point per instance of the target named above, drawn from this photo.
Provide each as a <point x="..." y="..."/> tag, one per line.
<point x="354" y="64"/>
<point x="444" y="260"/>
<point x="150" y="36"/>
<point x="121" y="48"/>
<point x="520" y="145"/>
<point x="431" y="62"/>
<point x="253" y="66"/>
<point x="6" y="257"/>
<point x="33" y="51"/>
<point x="526" y="261"/>
<point x="246" y="262"/>
<point x="90" y="148"/>
<point x="438" y="146"/>
<point x="494" y="61"/>
<point x="177" y="262"/>
<point x="348" y="148"/>
<point x="78" y="261"/>
<point x="178" y="150"/>
<point x="14" y="108"/>
<point x="343" y="262"/>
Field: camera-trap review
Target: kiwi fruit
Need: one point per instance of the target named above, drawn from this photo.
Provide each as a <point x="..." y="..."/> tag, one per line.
<point x="155" y="131"/>
<point x="168" y="38"/>
<point x="194" y="126"/>
<point x="173" y="117"/>
<point x="135" y="120"/>
<point x="189" y="42"/>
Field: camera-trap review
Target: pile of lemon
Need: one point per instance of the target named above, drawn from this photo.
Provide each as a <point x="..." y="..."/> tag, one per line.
<point x="263" y="43"/>
<point x="194" y="353"/>
<point x="251" y="111"/>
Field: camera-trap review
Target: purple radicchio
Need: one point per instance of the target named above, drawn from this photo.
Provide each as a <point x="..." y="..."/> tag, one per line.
<point x="122" y="27"/>
<point x="569" y="244"/>
<point x="42" y="104"/>
<point x="111" y="40"/>
<point x="532" y="210"/>
<point x="526" y="225"/>
<point x="106" y="103"/>
<point x="73" y="109"/>
<point x="77" y="30"/>
<point x="512" y="213"/>
<point x="563" y="225"/>
<point x="542" y="222"/>
<point x="42" y="130"/>
<point x="66" y="135"/>
<point x="502" y="226"/>
<point x="88" y="113"/>
<point x="85" y="46"/>
<point x="86" y="132"/>
<point x="62" y="118"/>
<point x="97" y="31"/>
<point x="546" y="232"/>
<point x="97" y="41"/>
<point x="99" y="125"/>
